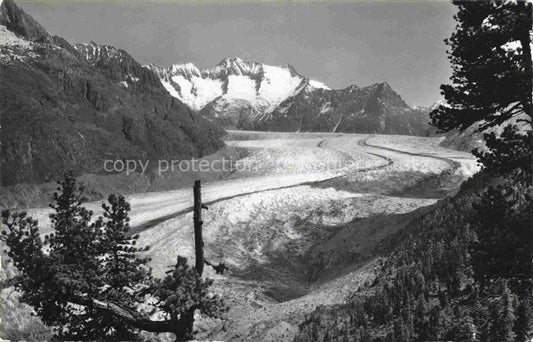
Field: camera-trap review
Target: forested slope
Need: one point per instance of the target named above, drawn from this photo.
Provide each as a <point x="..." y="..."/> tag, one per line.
<point x="463" y="273"/>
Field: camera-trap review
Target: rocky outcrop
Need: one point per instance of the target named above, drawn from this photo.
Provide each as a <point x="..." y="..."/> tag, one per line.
<point x="65" y="107"/>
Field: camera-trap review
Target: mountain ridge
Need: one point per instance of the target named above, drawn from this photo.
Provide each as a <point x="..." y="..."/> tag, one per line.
<point x="208" y="92"/>
<point x="261" y="85"/>
<point x="373" y="109"/>
<point x="61" y="110"/>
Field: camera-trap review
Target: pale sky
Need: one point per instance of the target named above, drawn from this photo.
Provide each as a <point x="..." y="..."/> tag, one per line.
<point x="336" y="43"/>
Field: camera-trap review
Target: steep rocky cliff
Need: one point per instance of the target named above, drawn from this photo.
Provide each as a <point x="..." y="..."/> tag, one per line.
<point x="65" y="107"/>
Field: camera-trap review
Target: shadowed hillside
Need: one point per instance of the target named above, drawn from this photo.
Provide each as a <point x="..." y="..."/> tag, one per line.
<point x="67" y="108"/>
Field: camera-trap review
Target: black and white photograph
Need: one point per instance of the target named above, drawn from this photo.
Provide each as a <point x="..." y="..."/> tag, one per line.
<point x="266" y="170"/>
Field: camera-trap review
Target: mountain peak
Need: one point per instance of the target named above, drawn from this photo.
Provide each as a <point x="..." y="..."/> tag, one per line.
<point x="385" y="92"/>
<point x="228" y="61"/>
<point x="187" y="70"/>
<point x="235" y="66"/>
<point x="17" y="21"/>
<point x="383" y="86"/>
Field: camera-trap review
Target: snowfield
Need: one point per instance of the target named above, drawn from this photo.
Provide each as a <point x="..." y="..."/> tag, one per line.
<point x="298" y="226"/>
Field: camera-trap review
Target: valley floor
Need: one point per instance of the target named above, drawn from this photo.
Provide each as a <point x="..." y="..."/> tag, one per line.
<point x="301" y="225"/>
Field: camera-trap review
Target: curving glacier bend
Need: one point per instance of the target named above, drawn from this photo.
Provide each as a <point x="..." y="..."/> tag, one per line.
<point x="290" y="217"/>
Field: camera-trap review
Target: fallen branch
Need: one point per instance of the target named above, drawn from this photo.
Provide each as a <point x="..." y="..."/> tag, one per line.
<point x="179" y="327"/>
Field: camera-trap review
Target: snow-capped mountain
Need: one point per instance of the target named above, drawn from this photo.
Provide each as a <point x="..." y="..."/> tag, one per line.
<point x="233" y="87"/>
<point x="262" y="86"/>
<point x="251" y="95"/>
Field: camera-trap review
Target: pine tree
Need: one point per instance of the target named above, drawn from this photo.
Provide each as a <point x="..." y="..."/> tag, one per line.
<point x="492" y="78"/>
<point x="524" y="320"/>
<point x="508" y="152"/>
<point x="182" y="290"/>
<point x="125" y="274"/>
<point x="422" y="321"/>
<point x="502" y="316"/>
<point x="464" y="330"/>
<point x="401" y="333"/>
<point x="92" y="281"/>
<point x="502" y="222"/>
<point x="491" y="81"/>
<point x="74" y="262"/>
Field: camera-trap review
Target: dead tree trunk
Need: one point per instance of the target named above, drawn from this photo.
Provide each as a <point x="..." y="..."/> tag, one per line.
<point x="198" y="238"/>
<point x="185" y="329"/>
<point x="525" y="41"/>
<point x="188" y="317"/>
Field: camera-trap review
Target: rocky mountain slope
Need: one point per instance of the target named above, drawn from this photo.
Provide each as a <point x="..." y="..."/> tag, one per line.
<point x="64" y="107"/>
<point x="255" y="96"/>
<point x="373" y="109"/>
